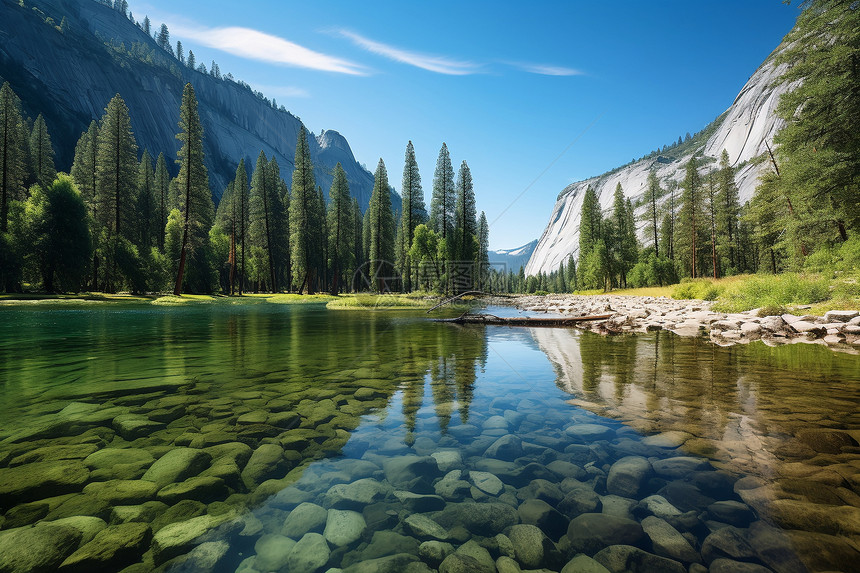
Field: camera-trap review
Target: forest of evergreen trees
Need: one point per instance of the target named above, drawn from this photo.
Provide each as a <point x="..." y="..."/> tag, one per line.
<point x="121" y="222"/>
<point x="803" y="216"/>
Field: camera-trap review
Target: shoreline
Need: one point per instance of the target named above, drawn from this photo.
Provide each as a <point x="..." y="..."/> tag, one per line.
<point x="837" y="329"/>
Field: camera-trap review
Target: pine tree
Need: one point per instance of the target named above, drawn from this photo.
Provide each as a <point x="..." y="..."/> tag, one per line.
<point x="414" y="211"/>
<point x="669" y="222"/>
<point x="321" y="239"/>
<point x="304" y="221"/>
<point x="147" y="209"/>
<point x="180" y="54"/>
<point x="56" y="221"/>
<point x="442" y="201"/>
<point x="162" y="196"/>
<point x="163" y="38"/>
<point x="192" y="62"/>
<point x="818" y="146"/>
<point x="690" y="217"/>
<point x="590" y="222"/>
<point x="116" y="170"/>
<point x="465" y="227"/>
<point x="357" y="243"/>
<point x="261" y="217"/>
<point x="727" y="211"/>
<point x="483" y="251"/>
<point x="147" y="26"/>
<point x="42" y="153"/>
<point x="197" y="210"/>
<point x="340" y="228"/>
<point x="12" y="152"/>
<point x="651" y="217"/>
<point x="711" y="210"/>
<point x="381" y="254"/>
<point x="573" y="283"/>
<point x="84" y="165"/>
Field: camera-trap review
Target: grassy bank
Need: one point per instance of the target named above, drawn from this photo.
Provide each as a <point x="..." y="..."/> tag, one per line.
<point x="774" y="294"/>
<point x="163" y="300"/>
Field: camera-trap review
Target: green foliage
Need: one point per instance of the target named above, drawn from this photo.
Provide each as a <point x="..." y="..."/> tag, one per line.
<point x="116" y="170"/>
<point x="425" y="253"/>
<point x="651" y="270"/>
<point x="42" y="153"/>
<point x="305" y="221"/>
<point x="442" y="201"/>
<point x="381" y="253"/>
<point x="414" y="211"/>
<point x="196" y="206"/>
<point x="783" y="290"/>
<point x="701" y="289"/>
<point x="58" y="237"/>
<point x="13" y="149"/>
<point x="340" y="226"/>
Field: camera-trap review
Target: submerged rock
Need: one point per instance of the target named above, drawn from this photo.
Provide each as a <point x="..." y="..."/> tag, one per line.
<point x="40" y="480"/>
<point x="305" y="518"/>
<point x="272" y="552"/>
<point x="485" y="519"/>
<point x="177" y="465"/>
<point x="343" y="527"/>
<point x="591" y="532"/>
<point x="309" y="554"/>
<point x="112" y="548"/>
<point x="624" y="558"/>
<point x="528" y="542"/>
<point x="628" y="476"/>
<point x="36" y="549"/>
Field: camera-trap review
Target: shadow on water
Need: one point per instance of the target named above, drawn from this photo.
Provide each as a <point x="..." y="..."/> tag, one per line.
<point x="291" y="438"/>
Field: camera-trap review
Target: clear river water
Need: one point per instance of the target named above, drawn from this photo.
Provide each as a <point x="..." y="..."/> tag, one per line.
<point x="264" y="437"/>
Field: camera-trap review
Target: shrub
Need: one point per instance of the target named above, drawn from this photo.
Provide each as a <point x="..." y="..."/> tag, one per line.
<point x="702" y="289"/>
<point x="777" y="291"/>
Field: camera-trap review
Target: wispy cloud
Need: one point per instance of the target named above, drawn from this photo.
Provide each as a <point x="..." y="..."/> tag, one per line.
<point x="429" y="62"/>
<point x="546" y="69"/>
<point x="257" y="45"/>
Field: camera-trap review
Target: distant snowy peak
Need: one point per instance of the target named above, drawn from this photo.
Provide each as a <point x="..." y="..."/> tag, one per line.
<point x="743" y="131"/>
<point x="512" y="259"/>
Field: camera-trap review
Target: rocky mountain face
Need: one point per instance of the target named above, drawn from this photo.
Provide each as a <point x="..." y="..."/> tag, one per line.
<point x="512" y="259"/>
<point x="66" y="58"/>
<point x="743" y="131"/>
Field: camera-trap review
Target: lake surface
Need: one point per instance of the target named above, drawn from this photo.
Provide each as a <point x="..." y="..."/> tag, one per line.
<point x="264" y="437"/>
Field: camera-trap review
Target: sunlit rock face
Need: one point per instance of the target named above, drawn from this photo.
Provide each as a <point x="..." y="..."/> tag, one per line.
<point x="69" y="76"/>
<point x="744" y="131"/>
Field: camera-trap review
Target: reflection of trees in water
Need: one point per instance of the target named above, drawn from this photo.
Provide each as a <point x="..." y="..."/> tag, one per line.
<point x="711" y="391"/>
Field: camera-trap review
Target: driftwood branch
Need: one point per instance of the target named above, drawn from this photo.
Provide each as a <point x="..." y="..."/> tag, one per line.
<point x="522" y="320"/>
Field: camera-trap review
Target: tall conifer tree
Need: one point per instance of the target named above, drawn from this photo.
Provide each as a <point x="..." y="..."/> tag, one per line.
<point x="12" y="152"/>
<point x="442" y="201"/>
<point x="381" y="253"/>
<point x="162" y="196"/>
<point x="304" y="221"/>
<point x="116" y="169"/>
<point x="340" y="228"/>
<point x="42" y="153"/>
<point x="197" y="208"/>
<point x="414" y="211"/>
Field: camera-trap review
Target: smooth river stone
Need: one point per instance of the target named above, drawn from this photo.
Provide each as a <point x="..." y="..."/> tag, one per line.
<point x="177" y="465"/>
<point x="486" y="482"/>
<point x="309" y="554"/>
<point x="670" y="439"/>
<point x="122" y="492"/>
<point x="668" y="541"/>
<point x="112" y="548"/>
<point x="108" y="457"/>
<point x="305" y="518"/>
<point x="679" y="467"/>
<point x="425" y="528"/>
<point x="39" y="480"/>
<point x="273" y="552"/>
<point x="343" y="527"/>
<point x="587" y="433"/>
<point x="591" y="532"/>
<point x="528" y="545"/>
<point x="628" y="476"/>
<point x="36" y="549"/>
<point x="623" y="558"/>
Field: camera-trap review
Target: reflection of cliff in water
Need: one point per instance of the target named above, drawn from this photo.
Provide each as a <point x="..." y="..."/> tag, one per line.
<point x="741" y="405"/>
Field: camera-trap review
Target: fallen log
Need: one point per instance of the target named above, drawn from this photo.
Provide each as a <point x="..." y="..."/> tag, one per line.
<point x="522" y="320"/>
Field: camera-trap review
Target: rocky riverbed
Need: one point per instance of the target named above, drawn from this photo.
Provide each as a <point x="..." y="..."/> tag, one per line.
<point x="837" y="328"/>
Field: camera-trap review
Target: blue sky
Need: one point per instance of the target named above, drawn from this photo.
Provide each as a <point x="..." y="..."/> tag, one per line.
<point x="509" y="87"/>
